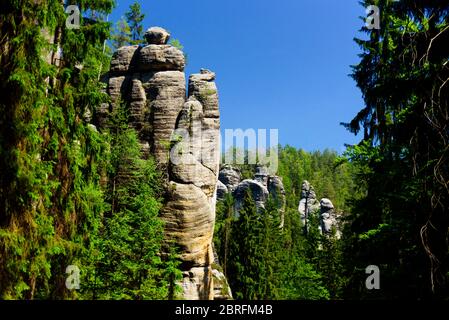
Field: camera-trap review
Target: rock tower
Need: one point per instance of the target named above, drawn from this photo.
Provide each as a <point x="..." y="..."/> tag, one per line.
<point x="181" y="130"/>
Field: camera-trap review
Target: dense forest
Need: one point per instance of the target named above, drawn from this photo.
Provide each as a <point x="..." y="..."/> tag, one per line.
<point x="264" y="261"/>
<point x="71" y="194"/>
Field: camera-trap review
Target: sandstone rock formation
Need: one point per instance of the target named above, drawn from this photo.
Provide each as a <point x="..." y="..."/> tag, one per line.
<point x="277" y="191"/>
<point x="258" y="191"/>
<point x="261" y="175"/>
<point x="328" y="218"/>
<point x="309" y="205"/>
<point x="230" y="177"/>
<point x="261" y="187"/>
<point x="222" y="290"/>
<point x="182" y="133"/>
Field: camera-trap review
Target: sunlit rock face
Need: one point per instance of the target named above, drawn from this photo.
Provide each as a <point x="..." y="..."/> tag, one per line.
<point x="329" y="219"/>
<point x="181" y="130"/>
<point x="277" y="191"/>
<point x="308" y="205"/>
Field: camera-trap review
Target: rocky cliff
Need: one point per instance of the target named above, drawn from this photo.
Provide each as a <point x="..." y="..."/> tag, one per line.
<point x="181" y="130"/>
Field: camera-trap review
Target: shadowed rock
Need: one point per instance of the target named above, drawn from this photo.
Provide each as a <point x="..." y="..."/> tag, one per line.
<point x="222" y="190"/>
<point x="328" y="218"/>
<point x="230" y="177"/>
<point x="277" y="192"/>
<point x="160" y="58"/>
<point x="258" y="191"/>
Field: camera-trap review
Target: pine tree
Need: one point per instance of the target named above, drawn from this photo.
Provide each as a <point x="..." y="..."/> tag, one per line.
<point x="403" y="158"/>
<point x="246" y="259"/>
<point x="122" y="35"/>
<point x="223" y="228"/>
<point x="134" y="17"/>
<point x="50" y="197"/>
<point x="129" y="264"/>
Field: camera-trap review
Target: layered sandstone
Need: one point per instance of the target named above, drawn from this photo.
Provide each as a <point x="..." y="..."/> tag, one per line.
<point x="181" y="131"/>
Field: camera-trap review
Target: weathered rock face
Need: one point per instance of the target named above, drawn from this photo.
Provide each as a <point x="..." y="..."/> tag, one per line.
<point x="258" y="191"/>
<point x="261" y="175"/>
<point x="157" y="35"/>
<point x="222" y="290"/>
<point x="182" y="133"/>
<point x="324" y="208"/>
<point x="277" y="191"/>
<point x="308" y="204"/>
<point x="230" y="177"/>
<point x="328" y="218"/>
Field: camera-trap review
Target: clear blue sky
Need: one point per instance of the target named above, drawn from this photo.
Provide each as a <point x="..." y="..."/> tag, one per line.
<point x="280" y="64"/>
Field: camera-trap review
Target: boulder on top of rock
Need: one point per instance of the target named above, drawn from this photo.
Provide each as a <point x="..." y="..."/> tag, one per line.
<point x="157" y="35"/>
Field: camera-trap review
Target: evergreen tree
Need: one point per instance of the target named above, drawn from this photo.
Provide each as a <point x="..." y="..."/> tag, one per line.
<point x="246" y="257"/>
<point x="403" y="158"/>
<point x="223" y="227"/>
<point x="122" y="34"/>
<point x="129" y="265"/>
<point x="134" y="18"/>
<point x="50" y="197"/>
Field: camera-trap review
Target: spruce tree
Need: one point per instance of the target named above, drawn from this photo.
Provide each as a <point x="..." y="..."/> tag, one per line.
<point x="403" y="158"/>
<point x="129" y="265"/>
<point x="245" y="254"/>
<point x="122" y="34"/>
<point x="134" y="17"/>
<point x="50" y="197"/>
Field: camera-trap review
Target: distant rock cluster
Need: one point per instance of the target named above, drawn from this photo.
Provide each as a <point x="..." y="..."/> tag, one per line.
<point x="262" y="186"/>
<point x="309" y="205"/>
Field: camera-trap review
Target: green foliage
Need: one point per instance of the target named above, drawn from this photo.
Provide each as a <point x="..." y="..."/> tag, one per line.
<point x="244" y="269"/>
<point x="400" y="223"/>
<point x="330" y="177"/>
<point x="177" y="44"/>
<point x="261" y="260"/>
<point x="130" y="241"/>
<point x="70" y="195"/>
<point x="134" y="17"/>
<point x="122" y="35"/>
<point x="49" y="182"/>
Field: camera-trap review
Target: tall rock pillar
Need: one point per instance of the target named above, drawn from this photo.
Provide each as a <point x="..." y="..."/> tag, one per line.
<point x="182" y="133"/>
